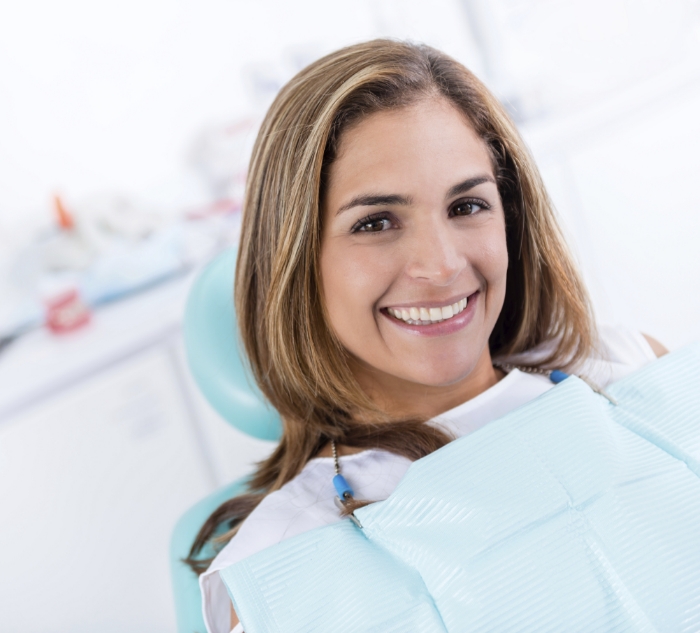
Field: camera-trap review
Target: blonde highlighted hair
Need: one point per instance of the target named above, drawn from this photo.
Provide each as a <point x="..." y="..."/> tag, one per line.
<point x="294" y="356"/>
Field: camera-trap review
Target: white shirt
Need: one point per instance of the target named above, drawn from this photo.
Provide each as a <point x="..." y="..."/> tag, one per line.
<point x="307" y="501"/>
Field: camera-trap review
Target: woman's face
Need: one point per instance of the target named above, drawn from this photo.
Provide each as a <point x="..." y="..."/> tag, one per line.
<point x="413" y="254"/>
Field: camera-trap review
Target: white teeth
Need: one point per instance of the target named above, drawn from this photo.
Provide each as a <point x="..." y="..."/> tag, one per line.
<point x="426" y="316"/>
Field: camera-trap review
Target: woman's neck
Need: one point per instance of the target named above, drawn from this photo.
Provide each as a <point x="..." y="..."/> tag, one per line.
<point x="403" y="399"/>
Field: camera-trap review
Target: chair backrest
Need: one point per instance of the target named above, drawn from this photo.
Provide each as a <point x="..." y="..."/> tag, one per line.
<point x="211" y="342"/>
<point x="188" y="598"/>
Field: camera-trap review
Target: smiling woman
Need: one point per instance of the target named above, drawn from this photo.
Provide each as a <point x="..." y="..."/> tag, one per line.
<point x="399" y="253"/>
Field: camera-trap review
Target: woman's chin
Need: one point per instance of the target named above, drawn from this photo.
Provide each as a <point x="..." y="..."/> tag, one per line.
<point x="437" y="376"/>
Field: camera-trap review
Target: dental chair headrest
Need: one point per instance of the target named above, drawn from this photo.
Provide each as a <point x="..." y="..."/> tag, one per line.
<point x="214" y="355"/>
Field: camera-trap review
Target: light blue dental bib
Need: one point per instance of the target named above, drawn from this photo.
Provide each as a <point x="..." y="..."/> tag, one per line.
<point x="569" y="514"/>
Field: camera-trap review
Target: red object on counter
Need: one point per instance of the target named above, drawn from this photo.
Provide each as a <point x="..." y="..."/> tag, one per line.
<point x="66" y="312"/>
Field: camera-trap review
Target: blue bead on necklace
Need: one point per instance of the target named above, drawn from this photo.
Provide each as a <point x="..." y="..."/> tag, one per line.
<point x="342" y="487"/>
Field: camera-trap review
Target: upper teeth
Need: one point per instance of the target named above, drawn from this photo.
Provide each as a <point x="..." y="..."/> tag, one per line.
<point x="425" y="316"/>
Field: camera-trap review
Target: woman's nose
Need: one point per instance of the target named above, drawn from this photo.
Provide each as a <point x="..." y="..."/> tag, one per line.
<point x="434" y="255"/>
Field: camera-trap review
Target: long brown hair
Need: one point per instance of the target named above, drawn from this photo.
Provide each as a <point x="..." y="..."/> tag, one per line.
<point x="294" y="356"/>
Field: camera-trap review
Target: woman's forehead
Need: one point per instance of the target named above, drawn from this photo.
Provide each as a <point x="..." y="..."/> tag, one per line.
<point x="429" y="145"/>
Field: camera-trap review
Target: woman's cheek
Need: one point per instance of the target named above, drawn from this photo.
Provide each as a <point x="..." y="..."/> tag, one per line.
<point x="352" y="282"/>
<point x="492" y="266"/>
<point x="499" y="260"/>
<point x="490" y="254"/>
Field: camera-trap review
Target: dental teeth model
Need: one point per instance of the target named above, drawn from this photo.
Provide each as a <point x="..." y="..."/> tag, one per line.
<point x="426" y="316"/>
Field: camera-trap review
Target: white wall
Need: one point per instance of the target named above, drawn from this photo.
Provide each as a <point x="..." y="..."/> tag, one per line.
<point x="627" y="196"/>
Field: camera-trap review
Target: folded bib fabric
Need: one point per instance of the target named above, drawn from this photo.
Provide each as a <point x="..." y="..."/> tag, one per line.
<point x="569" y="514"/>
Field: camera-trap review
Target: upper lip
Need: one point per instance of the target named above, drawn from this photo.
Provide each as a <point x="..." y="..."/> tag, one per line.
<point x="430" y="304"/>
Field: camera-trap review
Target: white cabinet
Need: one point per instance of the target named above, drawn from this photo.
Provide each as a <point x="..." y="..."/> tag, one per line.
<point x="99" y="456"/>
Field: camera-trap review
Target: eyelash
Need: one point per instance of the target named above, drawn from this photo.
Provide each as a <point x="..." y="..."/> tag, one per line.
<point x="376" y="217"/>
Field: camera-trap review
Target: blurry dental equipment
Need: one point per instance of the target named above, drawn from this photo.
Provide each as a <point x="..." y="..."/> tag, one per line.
<point x="101" y="250"/>
<point x="108" y="247"/>
<point x="219" y="154"/>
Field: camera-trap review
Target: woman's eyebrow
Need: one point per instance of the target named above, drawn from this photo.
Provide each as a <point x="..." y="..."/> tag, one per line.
<point x="468" y="184"/>
<point x="380" y="200"/>
<point x="375" y="201"/>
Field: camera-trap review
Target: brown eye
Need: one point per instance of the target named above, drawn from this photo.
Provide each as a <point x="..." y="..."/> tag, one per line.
<point x="468" y="207"/>
<point x="372" y="224"/>
<point x="375" y="225"/>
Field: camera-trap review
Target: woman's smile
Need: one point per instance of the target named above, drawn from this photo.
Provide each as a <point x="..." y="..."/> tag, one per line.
<point x="433" y="319"/>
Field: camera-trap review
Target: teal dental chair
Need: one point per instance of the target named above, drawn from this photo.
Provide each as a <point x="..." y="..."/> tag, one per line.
<point x="211" y="341"/>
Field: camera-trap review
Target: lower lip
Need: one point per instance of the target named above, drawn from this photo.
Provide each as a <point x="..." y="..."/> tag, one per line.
<point x="442" y="328"/>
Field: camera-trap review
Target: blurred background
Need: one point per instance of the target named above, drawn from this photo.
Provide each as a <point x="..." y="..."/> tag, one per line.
<point x="125" y="130"/>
